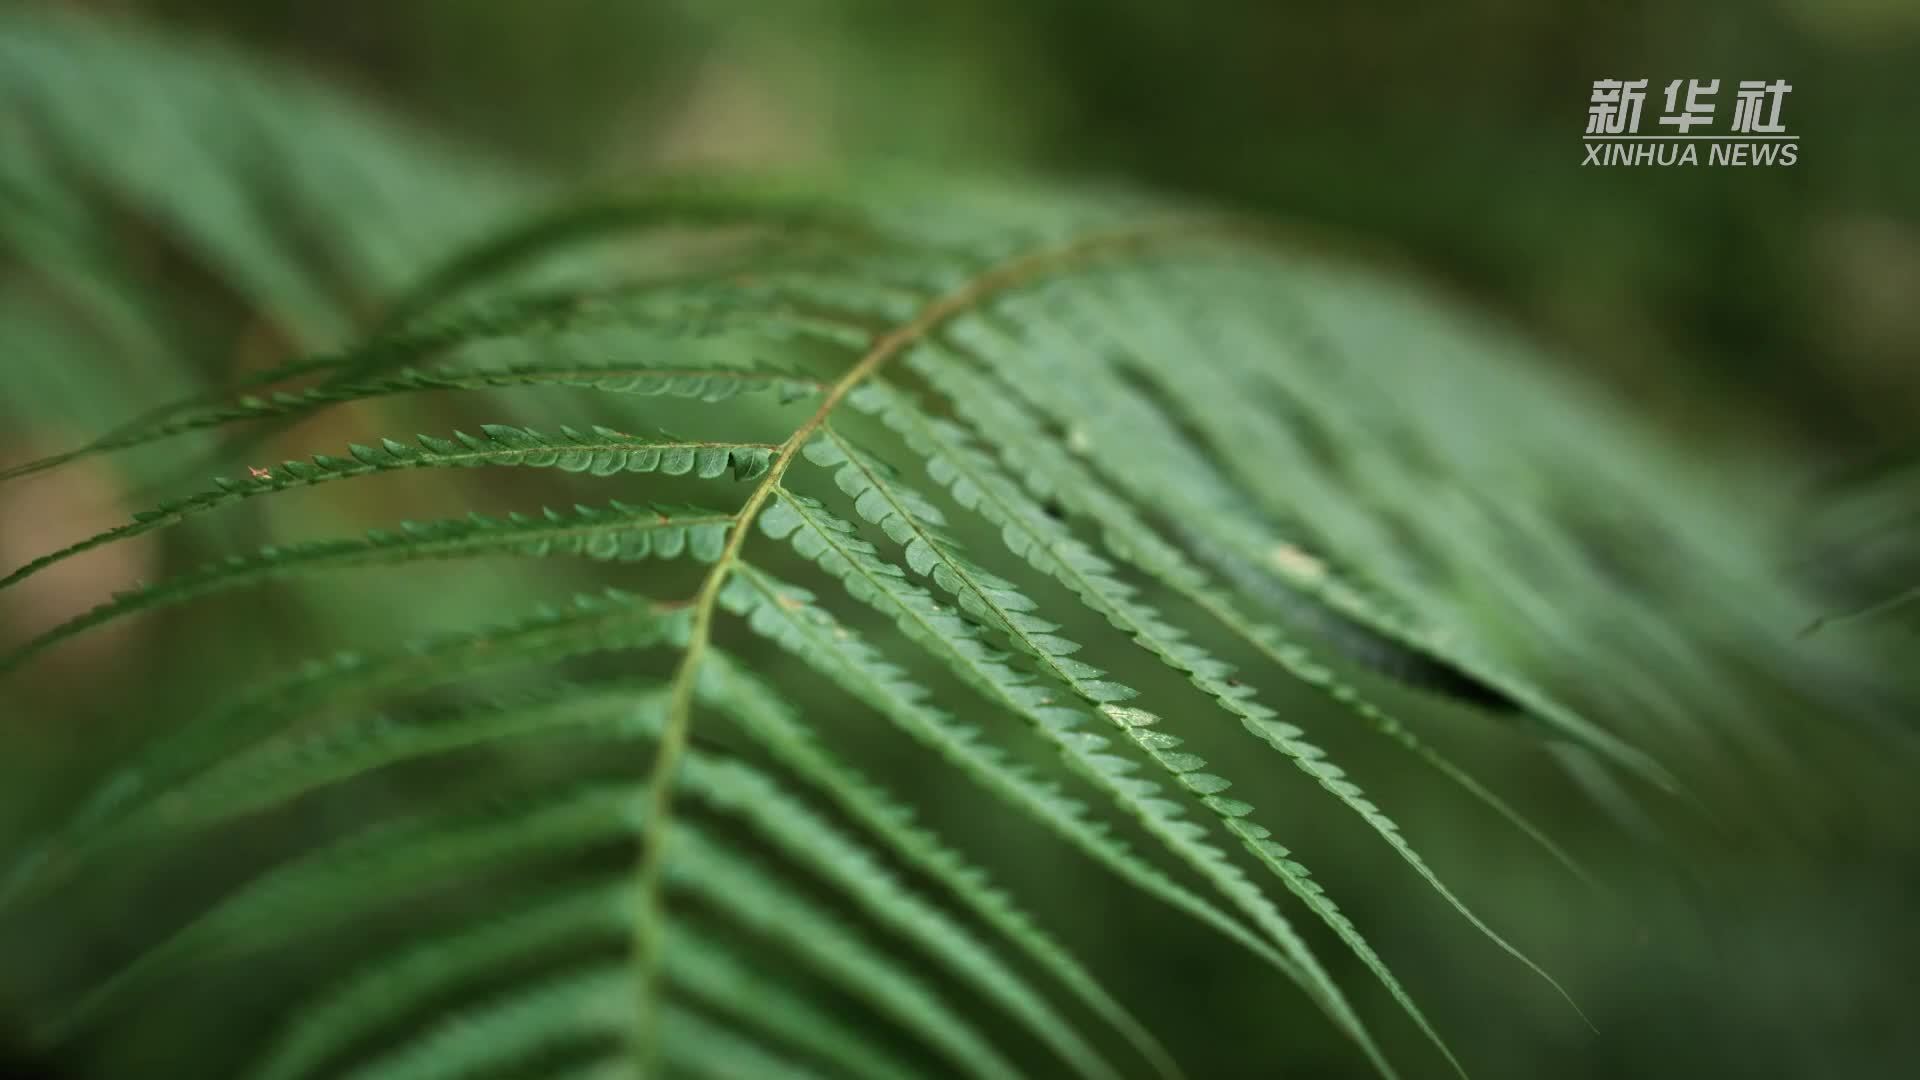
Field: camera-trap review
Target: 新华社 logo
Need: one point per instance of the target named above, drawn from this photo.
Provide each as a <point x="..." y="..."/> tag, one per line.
<point x="1752" y="134"/>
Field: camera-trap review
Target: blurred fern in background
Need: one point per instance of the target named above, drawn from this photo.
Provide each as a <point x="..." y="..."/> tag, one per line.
<point x="751" y="540"/>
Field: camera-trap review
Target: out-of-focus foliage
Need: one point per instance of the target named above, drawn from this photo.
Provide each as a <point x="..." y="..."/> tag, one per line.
<point x="1718" y="297"/>
<point x="1088" y="419"/>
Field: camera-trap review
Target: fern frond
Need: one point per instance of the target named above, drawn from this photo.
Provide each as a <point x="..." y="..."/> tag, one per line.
<point x="616" y="533"/>
<point x="601" y="452"/>
<point x="701" y="965"/>
<point x="978" y="487"/>
<point x="777" y="728"/>
<point x="587" y="1005"/>
<point x="613" y="620"/>
<point x="903" y="516"/>
<point x="789" y="616"/>
<point x="335" y="755"/>
<point x="390" y="856"/>
<point x="1051" y="472"/>
<point x="277" y="774"/>
<point x="353" y="197"/>
<point x="292" y="764"/>
<point x="398" y="859"/>
<point x="834" y="544"/>
<point x="782" y="916"/>
<point x="723" y="981"/>
<point x="1180" y="440"/>
<point x="646" y="332"/>
<point x="1001" y="276"/>
<point x="708" y="201"/>
<point x="811" y="840"/>
<point x="1143" y="453"/>
<point x="523" y="1022"/>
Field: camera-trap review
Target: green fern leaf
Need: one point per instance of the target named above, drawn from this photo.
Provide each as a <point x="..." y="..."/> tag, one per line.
<point x="789" y="616"/>
<point x="617" y="533"/>
<point x="760" y="711"/>
<point x="1181" y="436"/>
<point x="602" y="452"/>
<point x="833" y="543"/>
<point x="1051" y="472"/>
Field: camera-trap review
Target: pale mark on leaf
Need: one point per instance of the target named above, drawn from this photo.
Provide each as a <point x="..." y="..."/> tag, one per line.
<point x="1296" y="563"/>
